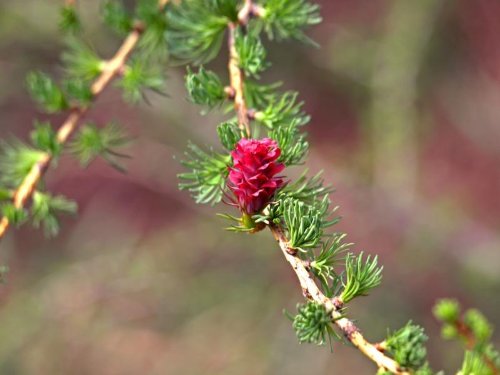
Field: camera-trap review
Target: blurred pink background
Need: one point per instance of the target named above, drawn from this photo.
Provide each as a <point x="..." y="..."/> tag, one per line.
<point x="405" y="101"/>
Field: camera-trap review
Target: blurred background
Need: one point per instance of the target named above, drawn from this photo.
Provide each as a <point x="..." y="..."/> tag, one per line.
<point x="405" y="101"/>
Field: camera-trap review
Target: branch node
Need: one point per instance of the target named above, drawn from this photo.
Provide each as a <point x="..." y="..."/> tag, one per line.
<point x="139" y="27"/>
<point x="291" y="251"/>
<point x="230" y="92"/>
<point x="251" y="114"/>
<point x="338" y="303"/>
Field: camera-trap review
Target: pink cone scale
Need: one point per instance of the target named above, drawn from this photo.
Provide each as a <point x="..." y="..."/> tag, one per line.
<point x="252" y="178"/>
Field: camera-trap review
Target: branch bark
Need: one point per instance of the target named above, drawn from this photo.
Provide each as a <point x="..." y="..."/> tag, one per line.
<point x="312" y="292"/>
<point x="236" y="74"/>
<point x="111" y="69"/>
<point x="236" y="77"/>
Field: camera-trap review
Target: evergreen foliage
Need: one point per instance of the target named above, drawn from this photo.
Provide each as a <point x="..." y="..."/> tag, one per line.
<point x="307" y="190"/>
<point x="45" y="209"/>
<point x="138" y="78"/>
<point x="69" y="20"/>
<point x="473" y="364"/>
<point x="116" y="16"/>
<point x="44" y="138"/>
<point x="152" y="42"/>
<point x="205" y="88"/>
<point x="282" y="110"/>
<point x="46" y="93"/>
<point x="92" y="142"/>
<point x="229" y="135"/>
<point x="304" y="224"/>
<point x="362" y="275"/>
<point x="323" y="264"/>
<point x="207" y="177"/>
<point x="16" y="160"/>
<point x="196" y="28"/>
<point x="251" y="53"/>
<point x="293" y="145"/>
<point x="284" y="19"/>
<point x="260" y="95"/>
<point x="78" y="92"/>
<point x="17" y="216"/>
<point x="80" y="61"/>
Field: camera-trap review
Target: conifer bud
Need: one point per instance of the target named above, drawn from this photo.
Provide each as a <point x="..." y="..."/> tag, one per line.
<point x="252" y="178"/>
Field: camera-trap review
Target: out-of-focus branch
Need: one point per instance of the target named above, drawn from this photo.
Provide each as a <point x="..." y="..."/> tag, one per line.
<point x="312" y="292"/>
<point x="111" y="69"/>
<point x="468" y="336"/>
<point x="393" y="115"/>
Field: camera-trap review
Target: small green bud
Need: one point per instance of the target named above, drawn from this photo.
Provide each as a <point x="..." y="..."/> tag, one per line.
<point x="312" y="324"/>
<point x="447" y="310"/>
<point x="407" y="346"/>
<point x="478" y="324"/>
<point x="247" y="221"/>
<point x="449" y="332"/>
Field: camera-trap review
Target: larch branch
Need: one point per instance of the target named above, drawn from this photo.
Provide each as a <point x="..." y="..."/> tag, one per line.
<point x="111" y="69"/>
<point x="312" y="292"/>
<point x="309" y="288"/>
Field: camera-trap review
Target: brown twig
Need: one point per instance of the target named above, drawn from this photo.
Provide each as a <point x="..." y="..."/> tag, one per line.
<point x="236" y="77"/>
<point x="236" y="74"/>
<point x="110" y="70"/>
<point x="313" y="293"/>
<point x="467" y="334"/>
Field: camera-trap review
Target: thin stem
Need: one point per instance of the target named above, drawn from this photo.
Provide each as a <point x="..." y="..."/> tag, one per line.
<point x="236" y="74"/>
<point x="313" y="293"/>
<point x="111" y="69"/>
